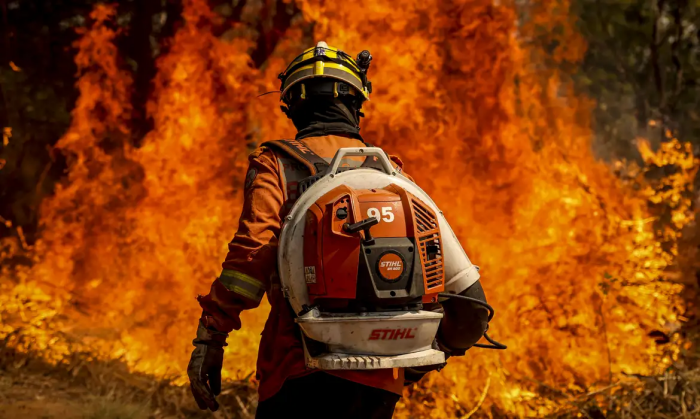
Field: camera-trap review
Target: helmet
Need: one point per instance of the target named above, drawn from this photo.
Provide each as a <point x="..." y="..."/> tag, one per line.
<point x="326" y="71"/>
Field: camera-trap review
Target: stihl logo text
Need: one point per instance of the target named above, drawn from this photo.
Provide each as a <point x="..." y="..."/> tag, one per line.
<point x="392" y="265"/>
<point x="392" y="334"/>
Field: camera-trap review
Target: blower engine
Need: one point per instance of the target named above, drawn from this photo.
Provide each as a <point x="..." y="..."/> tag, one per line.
<point x="360" y="253"/>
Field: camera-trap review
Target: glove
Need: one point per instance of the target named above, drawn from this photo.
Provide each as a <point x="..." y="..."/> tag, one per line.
<point x="412" y="375"/>
<point x="204" y="369"/>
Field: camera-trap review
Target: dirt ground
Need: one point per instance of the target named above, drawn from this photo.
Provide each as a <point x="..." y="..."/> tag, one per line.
<point x="39" y="397"/>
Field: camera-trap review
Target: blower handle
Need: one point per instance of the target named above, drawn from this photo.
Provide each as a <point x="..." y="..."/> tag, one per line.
<point x="361" y="152"/>
<point x="363" y="225"/>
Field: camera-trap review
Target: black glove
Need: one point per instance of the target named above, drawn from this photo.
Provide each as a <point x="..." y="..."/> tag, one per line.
<point x="204" y="369"/>
<point x="412" y="375"/>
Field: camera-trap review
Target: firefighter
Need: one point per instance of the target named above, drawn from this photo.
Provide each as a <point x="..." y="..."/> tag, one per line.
<point x="322" y="93"/>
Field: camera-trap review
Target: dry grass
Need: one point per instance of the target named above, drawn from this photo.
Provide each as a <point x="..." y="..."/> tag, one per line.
<point x="84" y="388"/>
<point x="106" y="408"/>
<point x="674" y="395"/>
<point x="106" y="390"/>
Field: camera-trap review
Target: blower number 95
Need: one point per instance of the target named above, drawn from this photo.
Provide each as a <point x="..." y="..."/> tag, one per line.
<point x="386" y="214"/>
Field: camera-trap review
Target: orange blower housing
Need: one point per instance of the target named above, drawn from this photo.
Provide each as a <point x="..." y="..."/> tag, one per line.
<point x="369" y="250"/>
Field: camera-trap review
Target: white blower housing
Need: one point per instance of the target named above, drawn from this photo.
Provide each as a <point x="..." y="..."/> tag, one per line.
<point x="360" y="252"/>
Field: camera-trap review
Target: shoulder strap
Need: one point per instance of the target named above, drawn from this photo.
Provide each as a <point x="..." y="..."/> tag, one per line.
<point x="301" y="152"/>
<point x="315" y="163"/>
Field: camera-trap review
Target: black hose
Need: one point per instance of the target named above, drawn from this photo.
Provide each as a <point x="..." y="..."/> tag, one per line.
<point x="494" y="344"/>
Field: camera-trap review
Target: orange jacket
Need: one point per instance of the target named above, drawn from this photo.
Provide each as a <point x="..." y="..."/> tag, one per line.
<point x="250" y="270"/>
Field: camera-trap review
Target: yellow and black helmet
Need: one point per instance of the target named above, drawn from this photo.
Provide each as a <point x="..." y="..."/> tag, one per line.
<point x="328" y="71"/>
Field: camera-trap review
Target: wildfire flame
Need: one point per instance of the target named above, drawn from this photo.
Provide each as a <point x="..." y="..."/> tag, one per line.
<point x="571" y="257"/>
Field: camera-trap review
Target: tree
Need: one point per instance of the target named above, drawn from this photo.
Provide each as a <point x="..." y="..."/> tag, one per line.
<point x="642" y="67"/>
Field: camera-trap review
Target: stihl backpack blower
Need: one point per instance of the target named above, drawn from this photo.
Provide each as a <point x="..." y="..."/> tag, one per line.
<point x="360" y="253"/>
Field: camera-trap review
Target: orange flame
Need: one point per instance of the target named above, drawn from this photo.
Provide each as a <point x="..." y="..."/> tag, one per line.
<point x="496" y="136"/>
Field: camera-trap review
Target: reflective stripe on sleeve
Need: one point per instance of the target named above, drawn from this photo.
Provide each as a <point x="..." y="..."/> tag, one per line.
<point x="242" y="284"/>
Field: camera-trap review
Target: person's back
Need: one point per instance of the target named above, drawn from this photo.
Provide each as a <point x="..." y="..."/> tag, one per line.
<point x="326" y="113"/>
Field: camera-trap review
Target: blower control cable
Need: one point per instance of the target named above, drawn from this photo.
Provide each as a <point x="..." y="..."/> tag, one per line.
<point x="494" y="344"/>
